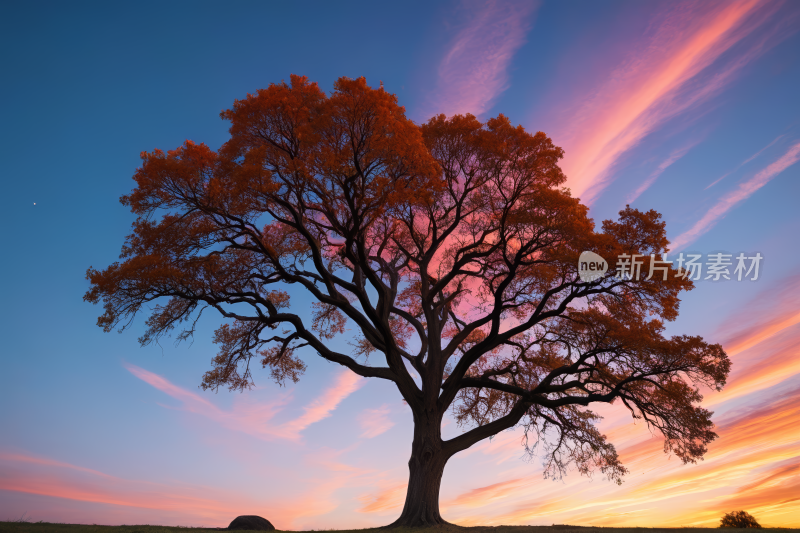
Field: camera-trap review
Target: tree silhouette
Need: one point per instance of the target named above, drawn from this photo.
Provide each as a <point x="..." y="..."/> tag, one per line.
<point x="452" y="247"/>
<point x="739" y="519"/>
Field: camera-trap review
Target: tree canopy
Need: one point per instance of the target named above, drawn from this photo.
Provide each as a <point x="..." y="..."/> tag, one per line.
<point x="739" y="520"/>
<point x="451" y="246"/>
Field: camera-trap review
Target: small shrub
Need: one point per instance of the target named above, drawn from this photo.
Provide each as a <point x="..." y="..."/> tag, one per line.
<point x="739" y="519"/>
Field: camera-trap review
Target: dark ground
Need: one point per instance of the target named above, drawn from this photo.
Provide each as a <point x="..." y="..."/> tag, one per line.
<point x="42" y="527"/>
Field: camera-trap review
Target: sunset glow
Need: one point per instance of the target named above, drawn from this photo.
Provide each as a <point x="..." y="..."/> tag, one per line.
<point x="688" y="108"/>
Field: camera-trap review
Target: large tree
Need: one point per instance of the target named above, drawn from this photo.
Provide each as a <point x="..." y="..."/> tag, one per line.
<point x="451" y="247"/>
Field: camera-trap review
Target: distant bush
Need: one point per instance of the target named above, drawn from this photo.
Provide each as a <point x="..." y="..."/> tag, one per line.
<point x="740" y="519"/>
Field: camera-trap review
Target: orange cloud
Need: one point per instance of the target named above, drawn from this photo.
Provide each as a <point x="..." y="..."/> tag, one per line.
<point x="772" y="310"/>
<point x="749" y="465"/>
<point x="772" y="425"/>
<point x="252" y="418"/>
<point x="474" y="70"/>
<point x="748" y="439"/>
<point x="375" y="421"/>
<point x="653" y="86"/>
<point x="761" y="340"/>
<point x="199" y="503"/>
<point x="738" y="195"/>
<point x="776" y="495"/>
<point x="757" y="335"/>
<point x="747" y="445"/>
<point x="387" y="500"/>
<point x="72" y="490"/>
<point x="177" y="502"/>
<point x="502" y="443"/>
<point x="751" y="443"/>
<point x="740" y="470"/>
<point x="483" y="495"/>
<point x="777" y="360"/>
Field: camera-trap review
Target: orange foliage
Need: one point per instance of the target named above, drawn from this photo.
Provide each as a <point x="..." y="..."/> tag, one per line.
<point x="451" y="248"/>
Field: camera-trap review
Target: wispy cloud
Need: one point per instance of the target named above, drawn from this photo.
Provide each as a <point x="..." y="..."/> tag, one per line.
<point x="345" y="384"/>
<point x="674" y="156"/>
<point x="44" y="461"/>
<point x="328" y="476"/>
<point x="761" y="339"/>
<point x="375" y="421"/>
<point x="717" y="180"/>
<point x="743" y="163"/>
<point x="128" y="500"/>
<point x="772" y="362"/>
<point x="483" y="495"/>
<point x="63" y="480"/>
<point x="499" y="444"/>
<point x="474" y="69"/>
<point x="775" y="494"/>
<point x="779" y="137"/>
<point x="757" y="448"/>
<point x="741" y="193"/>
<point x="656" y="83"/>
<point x="752" y="336"/>
<point x="772" y="310"/>
<point x="255" y="418"/>
<point x="388" y="499"/>
<point x="192" y="402"/>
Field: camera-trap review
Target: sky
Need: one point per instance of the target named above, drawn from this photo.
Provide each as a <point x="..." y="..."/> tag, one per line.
<point x="688" y="108"/>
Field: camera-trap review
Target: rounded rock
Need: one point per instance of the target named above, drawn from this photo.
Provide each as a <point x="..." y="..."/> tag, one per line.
<point x="251" y="523"/>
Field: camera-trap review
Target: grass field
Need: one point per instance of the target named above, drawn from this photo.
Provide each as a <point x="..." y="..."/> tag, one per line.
<point x="43" y="527"/>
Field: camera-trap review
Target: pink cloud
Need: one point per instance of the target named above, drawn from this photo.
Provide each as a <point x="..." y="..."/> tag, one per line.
<point x="254" y="418"/>
<point x="655" y="84"/>
<point x="21" y="458"/>
<point x="772" y="311"/>
<point x="388" y="499"/>
<point x="48" y="478"/>
<point x="741" y="193"/>
<point x="474" y="70"/>
<point x="501" y="444"/>
<point x="757" y="335"/>
<point x="774" y="362"/>
<point x="192" y="402"/>
<point x="717" y="180"/>
<point x="124" y="500"/>
<point x="74" y="490"/>
<point x="345" y="384"/>
<point x="483" y="495"/>
<point x="779" y="137"/>
<point x="761" y="340"/>
<point x="375" y="421"/>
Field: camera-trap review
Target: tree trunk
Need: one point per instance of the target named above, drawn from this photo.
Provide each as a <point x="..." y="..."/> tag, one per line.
<point x="425" y="467"/>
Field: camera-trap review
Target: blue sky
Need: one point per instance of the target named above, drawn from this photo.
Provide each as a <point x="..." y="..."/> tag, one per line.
<point x="673" y="96"/>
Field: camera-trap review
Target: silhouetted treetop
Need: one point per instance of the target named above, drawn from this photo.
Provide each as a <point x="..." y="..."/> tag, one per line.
<point x="450" y="249"/>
